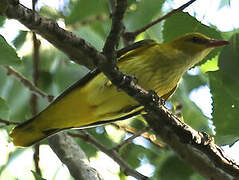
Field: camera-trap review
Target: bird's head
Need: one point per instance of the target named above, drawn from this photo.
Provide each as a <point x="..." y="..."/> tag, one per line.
<point x="196" y="45"/>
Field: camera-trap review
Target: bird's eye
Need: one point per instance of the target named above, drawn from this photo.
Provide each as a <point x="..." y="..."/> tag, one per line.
<point x="196" y="39"/>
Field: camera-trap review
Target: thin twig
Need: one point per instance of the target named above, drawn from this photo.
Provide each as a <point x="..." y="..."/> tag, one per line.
<point x="130" y="139"/>
<point x="36" y="61"/>
<point x="28" y="84"/>
<point x="112" y="40"/>
<point x="130" y="36"/>
<point x="111" y="153"/>
<point x="9" y="122"/>
<point x="149" y="136"/>
<point x="36" y="158"/>
<point x="34" y="98"/>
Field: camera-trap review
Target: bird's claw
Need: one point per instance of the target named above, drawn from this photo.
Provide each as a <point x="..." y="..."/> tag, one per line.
<point x="155" y="98"/>
<point x="127" y="79"/>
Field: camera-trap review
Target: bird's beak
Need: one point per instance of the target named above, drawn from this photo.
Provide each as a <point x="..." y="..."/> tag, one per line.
<point x="217" y="43"/>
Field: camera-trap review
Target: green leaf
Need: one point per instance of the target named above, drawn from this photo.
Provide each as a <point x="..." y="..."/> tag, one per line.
<point x="50" y="12"/>
<point x="16" y="95"/>
<point x="192" y="114"/>
<point x="88" y="33"/>
<point x="4" y="109"/>
<point x="225" y="106"/>
<point x="65" y="76"/>
<point x="132" y="153"/>
<point x="122" y="175"/>
<point x="141" y="13"/>
<point x="8" y="55"/>
<point x="190" y="82"/>
<point x="89" y="149"/>
<point x="138" y="122"/>
<point x="224" y="3"/>
<point x="182" y="23"/>
<point x="229" y="58"/>
<point x="80" y="10"/>
<point x="224" y="86"/>
<point x="210" y="65"/>
<point x="20" y="39"/>
<point x="2" y="20"/>
<point x="100" y="28"/>
<point x="12" y="156"/>
<point x="37" y="176"/>
<point x="174" y="169"/>
<point x="197" y="177"/>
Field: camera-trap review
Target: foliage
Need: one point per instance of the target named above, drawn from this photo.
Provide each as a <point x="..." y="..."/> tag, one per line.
<point x="8" y="54"/>
<point x="224" y="86"/>
<point x="37" y="176"/>
<point x="57" y="73"/>
<point x="4" y="110"/>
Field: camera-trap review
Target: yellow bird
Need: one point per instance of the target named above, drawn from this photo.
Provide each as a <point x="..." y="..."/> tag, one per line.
<point x="93" y="100"/>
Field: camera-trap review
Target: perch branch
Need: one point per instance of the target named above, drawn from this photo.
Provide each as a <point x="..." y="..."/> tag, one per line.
<point x="27" y="83"/>
<point x="110" y="152"/>
<point x="130" y="139"/>
<point x="9" y="122"/>
<point x="130" y="36"/>
<point x="149" y="136"/>
<point x="73" y="157"/>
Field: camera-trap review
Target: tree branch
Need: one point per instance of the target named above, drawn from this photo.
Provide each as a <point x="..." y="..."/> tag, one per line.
<point x="149" y="136"/>
<point x="111" y="153"/>
<point x="34" y="98"/>
<point x="130" y="139"/>
<point x="9" y="122"/>
<point x="75" y="48"/>
<point x="28" y="84"/>
<point x="130" y="36"/>
<point x="112" y="40"/>
<point x="73" y="157"/>
<point x="195" y="148"/>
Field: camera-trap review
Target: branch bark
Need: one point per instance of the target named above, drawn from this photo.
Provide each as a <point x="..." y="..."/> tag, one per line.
<point x="197" y="149"/>
<point x="75" y="48"/>
<point x="130" y="36"/>
<point x="111" y="153"/>
<point x="73" y="157"/>
<point x="34" y="89"/>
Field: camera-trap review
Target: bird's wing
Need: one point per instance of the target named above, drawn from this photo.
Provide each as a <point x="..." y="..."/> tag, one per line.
<point x="80" y="83"/>
<point x="138" y="45"/>
<point x="122" y="52"/>
<point x="138" y="110"/>
<point x="89" y="76"/>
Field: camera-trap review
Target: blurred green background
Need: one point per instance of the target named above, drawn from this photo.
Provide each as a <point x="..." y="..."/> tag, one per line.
<point x="207" y="94"/>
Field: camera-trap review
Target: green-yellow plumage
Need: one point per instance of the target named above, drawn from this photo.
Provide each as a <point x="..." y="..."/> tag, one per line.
<point x="94" y="99"/>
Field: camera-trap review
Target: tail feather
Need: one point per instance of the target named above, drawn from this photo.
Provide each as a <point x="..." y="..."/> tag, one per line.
<point x="26" y="134"/>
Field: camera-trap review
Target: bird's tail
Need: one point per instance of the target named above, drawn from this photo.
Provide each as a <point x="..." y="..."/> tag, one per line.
<point x="29" y="133"/>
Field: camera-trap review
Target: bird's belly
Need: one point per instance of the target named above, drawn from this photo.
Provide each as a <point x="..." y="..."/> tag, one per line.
<point x="107" y="102"/>
<point x="110" y="103"/>
<point x="70" y="111"/>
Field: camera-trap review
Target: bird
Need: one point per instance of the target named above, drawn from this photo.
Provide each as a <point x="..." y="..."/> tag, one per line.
<point x="94" y="100"/>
